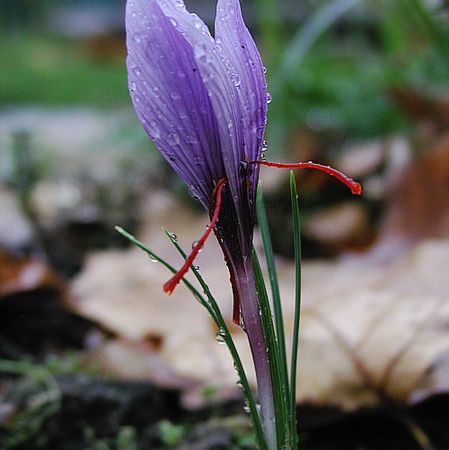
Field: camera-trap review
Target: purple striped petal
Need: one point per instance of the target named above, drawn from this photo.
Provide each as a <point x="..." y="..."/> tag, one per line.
<point x="218" y="75"/>
<point x="248" y="76"/>
<point x="176" y="70"/>
<point x="170" y="97"/>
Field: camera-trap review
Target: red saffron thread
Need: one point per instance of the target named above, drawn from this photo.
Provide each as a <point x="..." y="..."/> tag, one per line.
<point x="356" y="187"/>
<point x="171" y="284"/>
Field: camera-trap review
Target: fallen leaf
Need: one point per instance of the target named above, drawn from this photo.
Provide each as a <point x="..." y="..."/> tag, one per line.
<point x="369" y="331"/>
<point x="418" y="203"/>
<point x="20" y="274"/>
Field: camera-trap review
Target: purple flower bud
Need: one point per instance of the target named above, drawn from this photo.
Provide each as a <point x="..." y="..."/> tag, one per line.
<point x="203" y="102"/>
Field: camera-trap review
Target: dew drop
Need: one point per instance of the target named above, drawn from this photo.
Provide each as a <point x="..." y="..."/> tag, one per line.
<point x="269" y="98"/>
<point x="242" y="323"/>
<point x="174" y="21"/>
<point x="264" y="146"/>
<point x="197" y="22"/>
<point x="137" y="71"/>
<point x="200" y="51"/>
<point x="173" y="236"/>
<point x="236" y="80"/>
<point x="191" y="139"/>
<point x="265" y="70"/>
<point x="132" y="86"/>
<point x="260" y="131"/>
<point x="154" y="130"/>
<point x="137" y="37"/>
<point x="153" y="258"/>
<point x="173" y="138"/>
<point x="175" y="95"/>
<point x="246" y="408"/>
<point x="220" y="336"/>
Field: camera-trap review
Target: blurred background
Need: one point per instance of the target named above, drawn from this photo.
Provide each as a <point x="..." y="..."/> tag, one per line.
<point x="92" y="353"/>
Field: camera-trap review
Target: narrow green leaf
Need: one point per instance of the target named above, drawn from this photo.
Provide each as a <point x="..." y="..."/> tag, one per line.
<point x="297" y="245"/>
<point x="226" y="335"/>
<point x="280" y="396"/>
<point x="212" y="307"/>
<point x="154" y="257"/>
<point x="277" y="306"/>
<point x="224" y="331"/>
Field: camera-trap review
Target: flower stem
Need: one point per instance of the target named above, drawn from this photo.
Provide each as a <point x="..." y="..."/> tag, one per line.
<point x="254" y="329"/>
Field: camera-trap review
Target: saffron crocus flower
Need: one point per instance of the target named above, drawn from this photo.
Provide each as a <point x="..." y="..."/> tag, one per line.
<point x="203" y="102"/>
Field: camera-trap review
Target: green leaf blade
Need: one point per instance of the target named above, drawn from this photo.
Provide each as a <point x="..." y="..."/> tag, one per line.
<point x="279" y="393"/>
<point x="295" y="342"/>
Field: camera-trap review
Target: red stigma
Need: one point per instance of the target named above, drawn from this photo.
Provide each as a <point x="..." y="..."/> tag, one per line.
<point x="356" y="187"/>
<point x="216" y="195"/>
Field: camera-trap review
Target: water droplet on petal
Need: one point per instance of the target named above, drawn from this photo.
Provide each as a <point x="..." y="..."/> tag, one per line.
<point x="137" y="37"/>
<point x="197" y="21"/>
<point x="191" y="139"/>
<point x="153" y="130"/>
<point x="175" y="95"/>
<point x="173" y="21"/>
<point x="137" y="71"/>
<point x="173" y="138"/>
<point x="269" y="98"/>
<point x="132" y="86"/>
<point x="236" y="80"/>
<point x="200" y="51"/>
<point x="180" y="4"/>
<point x="265" y="70"/>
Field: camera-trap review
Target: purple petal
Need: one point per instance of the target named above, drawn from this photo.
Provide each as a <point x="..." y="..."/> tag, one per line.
<point x="239" y="48"/>
<point x="170" y="97"/>
<point x="216" y="72"/>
